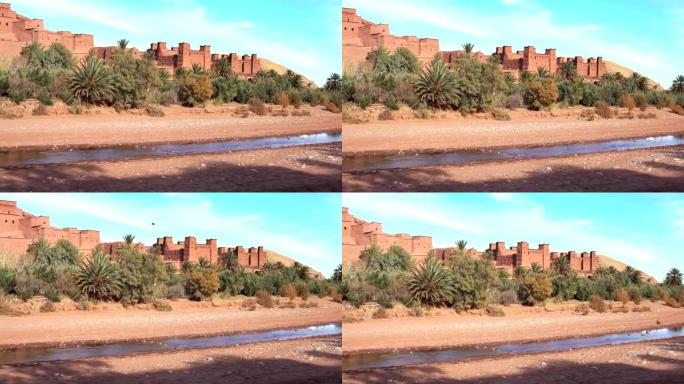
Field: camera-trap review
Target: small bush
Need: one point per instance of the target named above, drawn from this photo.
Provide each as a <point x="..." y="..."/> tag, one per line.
<point x="40" y="110"/>
<point x="48" y="307"/>
<point x="386" y="115"/>
<point x="641" y="101"/>
<point x="295" y="99"/>
<point x="288" y="305"/>
<point x="391" y="103"/>
<point x="628" y="102"/>
<point x="301" y="113"/>
<point x="597" y="304"/>
<point x="264" y="299"/>
<point x="175" y="292"/>
<point x="495" y="311"/>
<point x="621" y="309"/>
<point x="622" y="296"/>
<point x="535" y="289"/>
<point x="602" y="109"/>
<point x="582" y="309"/>
<point x="635" y="295"/>
<point x="202" y="284"/>
<point x="677" y="110"/>
<point x="83" y="304"/>
<point x="250" y="304"/>
<point x="289" y="291"/>
<point x="331" y="107"/>
<point x="500" y="115"/>
<point x="515" y="101"/>
<point x="647" y="115"/>
<point x="283" y="99"/>
<point x="303" y="291"/>
<point x="308" y="304"/>
<point x="154" y="111"/>
<point x="587" y="114"/>
<point x="509" y="297"/>
<point x="672" y="302"/>
<point x="161" y="306"/>
<point x="380" y="313"/>
<point x="416" y="311"/>
<point x="421" y="113"/>
<point x="257" y="106"/>
<point x="643" y="308"/>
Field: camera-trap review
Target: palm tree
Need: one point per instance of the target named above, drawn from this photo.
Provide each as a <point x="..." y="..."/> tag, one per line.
<point x="437" y="86"/>
<point x="33" y="53"/>
<point x="526" y="76"/>
<point x="128" y="239"/>
<point x="640" y="82"/>
<point x="203" y="263"/>
<point x="468" y="48"/>
<point x="222" y="67"/>
<point x="519" y="272"/>
<point x="122" y="44"/>
<point x="98" y="278"/>
<point x="334" y="82"/>
<point x="294" y="79"/>
<point x="542" y="73"/>
<point x="430" y="283"/>
<point x="536" y="268"/>
<point x="561" y="266"/>
<point x="678" y="84"/>
<point x="197" y="69"/>
<point x="568" y="71"/>
<point x="337" y="274"/>
<point x="673" y="278"/>
<point x="181" y="73"/>
<point x="91" y="82"/>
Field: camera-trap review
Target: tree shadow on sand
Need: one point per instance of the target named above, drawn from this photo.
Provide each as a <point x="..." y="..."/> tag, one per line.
<point x="554" y="372"/>
<point x="558" y="179"/>
<point x="234" y="370"/>
<point x="208" y="177"/>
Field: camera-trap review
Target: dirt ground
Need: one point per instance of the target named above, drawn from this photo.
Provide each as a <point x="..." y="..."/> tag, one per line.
<point x="642" y="170"/>
<point x="304" y="169"/>
<point x="301" y="361"/>
<point x="521" y="324"/>
<point x="650" y="362"/>
<point x="525" y="129"/>
<point x="181" y="125"/>
<point x="188" y="319"/>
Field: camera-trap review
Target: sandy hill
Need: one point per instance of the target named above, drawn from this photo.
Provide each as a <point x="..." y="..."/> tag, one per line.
<point x="606" y="261"/>
<point x="267" y="65"/>
<point x="626" y="72"/>
<point x="275" y="257"/>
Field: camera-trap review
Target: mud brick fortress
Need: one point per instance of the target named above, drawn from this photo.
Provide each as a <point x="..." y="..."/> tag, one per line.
<point x="19" y="229"/>
<point x="360" y="37"/>
<point x="359" y="235"/>
<point x="17" y="32"/>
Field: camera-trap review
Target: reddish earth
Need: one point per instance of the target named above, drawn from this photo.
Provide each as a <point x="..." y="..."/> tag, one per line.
<point x="521" y="324"/>
<point x="301" y="361"/>
<point x="188" y="319"/>
<point x="525" y="129"/>
<point x="641" y="170"/>
<point x="181" y="125"/>
<point x="650" y="362"/>
<point x="306" y="168"/>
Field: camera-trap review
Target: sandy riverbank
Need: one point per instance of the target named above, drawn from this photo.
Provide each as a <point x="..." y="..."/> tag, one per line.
<point x="300" y="361"/>
<point x="649" y="362"/>
<point x="307" y="169"/>
<point x="642" y="170"/>
<point x="525" y="129"/>
<point x="188" y="319"/>
<point x="521" y="324"/>
<point x="111" y="129"/>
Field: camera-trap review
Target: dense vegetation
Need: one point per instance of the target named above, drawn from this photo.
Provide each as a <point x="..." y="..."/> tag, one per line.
<point x="463" y="282"/>
<point x="124" y="81"/>
<point x="470" y="86"/>
<point x="135" y="277"/>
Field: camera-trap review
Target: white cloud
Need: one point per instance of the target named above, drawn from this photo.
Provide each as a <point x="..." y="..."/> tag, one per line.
<point x="504" y="197"/>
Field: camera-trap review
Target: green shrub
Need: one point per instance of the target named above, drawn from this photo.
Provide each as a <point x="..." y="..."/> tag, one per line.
<point x="7" y="279"/>
<point x="195" y="90"/>
<point x="201" y="284"/>
<point x="176" y="291"/>
<point x="540" y="94"/>
<point x="509" y="297"/>
<point x="641" y="101"/>
<point x="535" y="289"/>
<point x="391" y="102"/>
<point x="635" y="295"/>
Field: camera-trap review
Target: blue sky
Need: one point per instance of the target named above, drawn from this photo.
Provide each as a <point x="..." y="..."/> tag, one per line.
<point x="644" y="35"/>
<point x="642" y="230"/>
<point x="303" y="35"/>
<point x="303" y="226"/>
